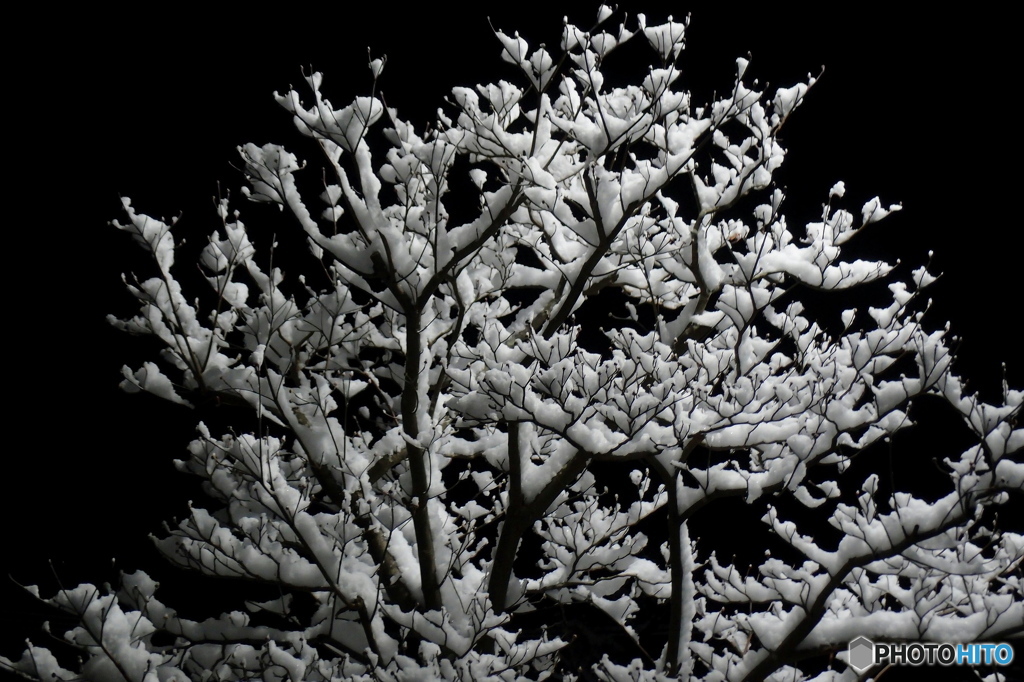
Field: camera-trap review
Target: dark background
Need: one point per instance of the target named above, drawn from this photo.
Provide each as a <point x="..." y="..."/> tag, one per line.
<point x="914" y="109"/>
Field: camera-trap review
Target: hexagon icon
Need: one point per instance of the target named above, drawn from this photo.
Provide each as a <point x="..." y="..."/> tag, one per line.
<point x="862" y="654"/>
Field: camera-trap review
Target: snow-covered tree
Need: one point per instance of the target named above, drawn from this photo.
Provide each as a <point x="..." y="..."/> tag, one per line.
<point x="538" y="342"/>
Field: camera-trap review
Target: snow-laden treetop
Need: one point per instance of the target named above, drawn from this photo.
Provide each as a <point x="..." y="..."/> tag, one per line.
<point x="537" y="341"/>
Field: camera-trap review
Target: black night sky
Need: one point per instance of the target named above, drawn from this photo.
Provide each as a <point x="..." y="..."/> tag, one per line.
<point x="914" y="109"/>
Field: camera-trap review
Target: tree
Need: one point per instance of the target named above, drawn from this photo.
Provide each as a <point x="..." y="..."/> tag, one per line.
<point x="559" y="287"/>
